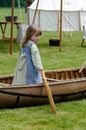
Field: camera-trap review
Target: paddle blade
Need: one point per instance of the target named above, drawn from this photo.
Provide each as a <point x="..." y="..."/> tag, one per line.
<point x="49" y="94"/>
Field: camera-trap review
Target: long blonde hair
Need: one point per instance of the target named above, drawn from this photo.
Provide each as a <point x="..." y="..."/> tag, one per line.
<point x="31" y="30"/>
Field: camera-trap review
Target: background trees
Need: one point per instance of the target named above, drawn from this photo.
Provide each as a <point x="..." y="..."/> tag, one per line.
<point x="7" y="3"/>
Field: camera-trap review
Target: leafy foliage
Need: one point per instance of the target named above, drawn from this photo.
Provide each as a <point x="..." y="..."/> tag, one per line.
<point x="7" y="3"/>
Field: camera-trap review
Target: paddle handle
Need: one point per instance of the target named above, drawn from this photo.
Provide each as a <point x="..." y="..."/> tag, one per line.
<point x="82" y="67"/>
<point x="49" y="94"/>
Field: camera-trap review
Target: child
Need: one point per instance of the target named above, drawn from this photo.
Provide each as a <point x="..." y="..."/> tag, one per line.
<point x="29" y="66"/>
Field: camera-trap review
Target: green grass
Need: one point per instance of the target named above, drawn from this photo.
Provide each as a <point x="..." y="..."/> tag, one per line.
<point x="70" y="115"/>
<point x="71" y="55"/>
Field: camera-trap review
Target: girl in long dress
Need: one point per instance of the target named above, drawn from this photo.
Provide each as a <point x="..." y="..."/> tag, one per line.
<point x="29" y="66"/>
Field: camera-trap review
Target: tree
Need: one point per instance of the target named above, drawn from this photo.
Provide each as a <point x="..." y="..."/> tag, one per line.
<point x="7" y="3"/>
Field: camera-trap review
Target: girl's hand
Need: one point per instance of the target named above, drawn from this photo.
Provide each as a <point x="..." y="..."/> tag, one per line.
<point x="41" y="69"/>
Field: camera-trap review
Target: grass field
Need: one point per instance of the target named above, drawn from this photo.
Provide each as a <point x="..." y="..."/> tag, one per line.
<point x="70" y="115"/>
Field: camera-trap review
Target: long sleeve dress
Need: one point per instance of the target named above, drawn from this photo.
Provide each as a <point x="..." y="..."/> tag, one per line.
<point x="28" y="65"/>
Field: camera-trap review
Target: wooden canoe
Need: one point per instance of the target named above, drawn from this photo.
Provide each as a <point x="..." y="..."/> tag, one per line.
<point x="65" y="85"/>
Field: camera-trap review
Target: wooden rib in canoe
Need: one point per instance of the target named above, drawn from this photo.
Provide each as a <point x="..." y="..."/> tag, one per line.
<point x="65" y="85"/>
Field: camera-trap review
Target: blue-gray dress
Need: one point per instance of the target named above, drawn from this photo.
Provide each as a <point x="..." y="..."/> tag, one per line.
<point x="26" y="71"/>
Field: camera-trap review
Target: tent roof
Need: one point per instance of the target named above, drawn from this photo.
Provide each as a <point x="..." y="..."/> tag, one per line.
<point x="68" y="5"/>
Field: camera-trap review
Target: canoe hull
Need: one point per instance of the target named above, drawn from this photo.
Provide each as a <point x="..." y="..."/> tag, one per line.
<point x="31" y="95"/>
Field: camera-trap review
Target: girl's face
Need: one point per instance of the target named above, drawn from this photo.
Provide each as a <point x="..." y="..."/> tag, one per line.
<point x="34" y="37"/>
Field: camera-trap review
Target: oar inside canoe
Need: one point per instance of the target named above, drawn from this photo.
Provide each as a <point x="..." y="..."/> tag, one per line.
<point x="82" y="67"/>
<point x="54" y="80"/>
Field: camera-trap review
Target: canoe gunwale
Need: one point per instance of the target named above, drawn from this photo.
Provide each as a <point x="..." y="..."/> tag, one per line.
<point x="4" y="86"/>
<point x="57" y="85"/>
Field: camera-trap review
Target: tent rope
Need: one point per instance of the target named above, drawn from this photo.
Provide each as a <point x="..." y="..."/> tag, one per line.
<point x="20" y="13"/>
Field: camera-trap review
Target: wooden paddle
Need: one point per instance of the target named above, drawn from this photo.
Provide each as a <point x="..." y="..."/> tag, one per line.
<point x="82" y="67"/>
<point x="49" y="94"/>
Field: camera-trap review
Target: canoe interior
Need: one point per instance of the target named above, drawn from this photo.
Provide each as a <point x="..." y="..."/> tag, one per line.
<point x="63" y="74"/>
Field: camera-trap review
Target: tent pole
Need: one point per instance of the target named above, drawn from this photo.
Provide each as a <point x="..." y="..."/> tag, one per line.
<point x="35" y="12"/>
<point x="12" y="22"/>
<point x="60" y="37"/>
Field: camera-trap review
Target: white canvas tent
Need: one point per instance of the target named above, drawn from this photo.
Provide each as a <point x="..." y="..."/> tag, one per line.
<point x="48" y="13"/>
